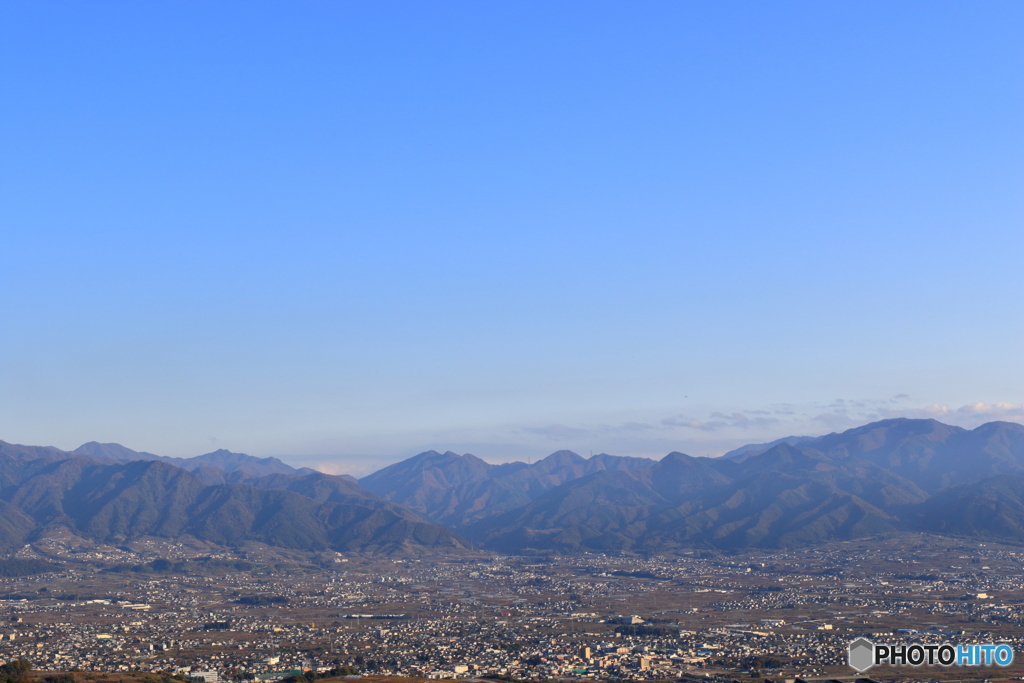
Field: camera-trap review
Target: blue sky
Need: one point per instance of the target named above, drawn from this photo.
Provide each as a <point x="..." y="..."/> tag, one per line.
<point x="343" y="233"/>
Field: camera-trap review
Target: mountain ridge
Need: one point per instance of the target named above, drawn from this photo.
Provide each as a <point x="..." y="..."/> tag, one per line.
<point x="884" y="477"/>
<point x="113" y="502"/>
<point x="457" y="490"/>
<point x="240" y="465"/>
<point x="875" y="478"/>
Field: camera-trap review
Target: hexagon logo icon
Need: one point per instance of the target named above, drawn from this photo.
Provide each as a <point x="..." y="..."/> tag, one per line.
<point x="862" y="654"/>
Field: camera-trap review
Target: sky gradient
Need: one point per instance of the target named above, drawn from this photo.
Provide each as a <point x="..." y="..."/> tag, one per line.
<point x="343" y="233"/>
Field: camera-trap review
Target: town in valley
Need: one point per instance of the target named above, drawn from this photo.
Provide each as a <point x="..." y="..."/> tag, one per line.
<point x="263" y="613"/>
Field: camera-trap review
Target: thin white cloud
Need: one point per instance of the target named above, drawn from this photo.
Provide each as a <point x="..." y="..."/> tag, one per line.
<point x="709" y="433"/>
<point x="718" y="421"/>
<point x="557" y="431"/>
<point x="970" y="415"/>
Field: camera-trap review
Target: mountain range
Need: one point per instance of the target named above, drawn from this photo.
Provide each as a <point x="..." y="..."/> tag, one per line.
<point x="457" y="490"/>
<point x="881" y="478"/>
<point x="100" y="493"/>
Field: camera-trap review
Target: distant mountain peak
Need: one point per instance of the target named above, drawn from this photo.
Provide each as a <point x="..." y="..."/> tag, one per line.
<point x="780" y="455"/>
<point x="112" y="451"/>
<point x="743" y="452"/>
<point x="676" y="456"/>
<point x="560" y="458"/>
<point x="903" y="426"/>
<point x="432" y="459"/>
<point x="565" y="455"/>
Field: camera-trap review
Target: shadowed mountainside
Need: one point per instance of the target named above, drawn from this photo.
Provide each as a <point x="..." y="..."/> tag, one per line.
<point x="114" y="502"/>
<point x="992" y="508"/>
<point x="780" y="498"/>
<point x="877" y="478"/>
<point x="457" y="490"/>
<point x="880" y="478"/>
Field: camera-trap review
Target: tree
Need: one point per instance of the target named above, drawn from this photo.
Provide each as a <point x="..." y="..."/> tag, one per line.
<point x="12" y="672"/>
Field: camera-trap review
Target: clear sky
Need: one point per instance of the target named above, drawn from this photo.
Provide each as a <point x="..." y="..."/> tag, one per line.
<point x="346" y="232"/>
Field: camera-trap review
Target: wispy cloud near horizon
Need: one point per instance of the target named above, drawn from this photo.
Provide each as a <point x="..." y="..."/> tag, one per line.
<point x="703" y="434"/>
